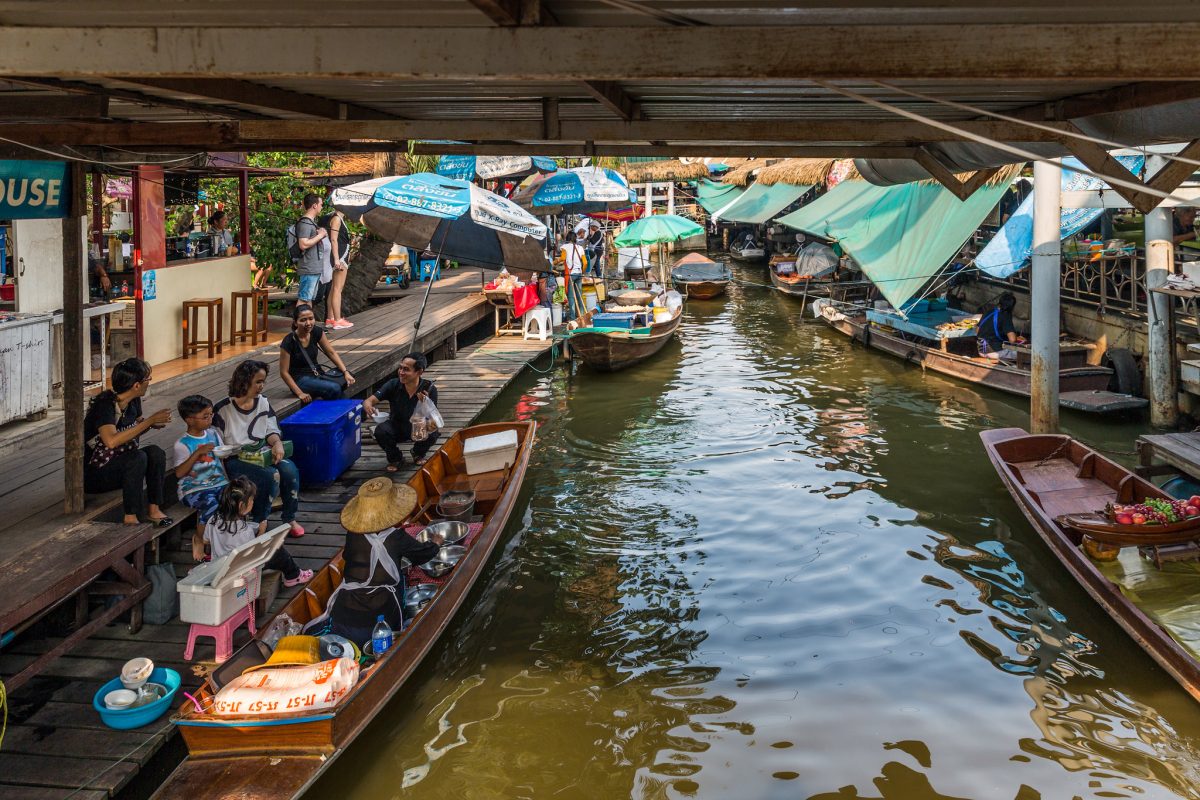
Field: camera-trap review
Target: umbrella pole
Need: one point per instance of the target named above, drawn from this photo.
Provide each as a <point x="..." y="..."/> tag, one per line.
<point x="437" y="263"/>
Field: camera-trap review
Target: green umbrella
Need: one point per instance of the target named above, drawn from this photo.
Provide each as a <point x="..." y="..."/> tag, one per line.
<point x="657" y="229"/>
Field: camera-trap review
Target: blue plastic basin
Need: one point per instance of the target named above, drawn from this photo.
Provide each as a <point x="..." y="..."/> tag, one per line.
<point x="127" y="718"/>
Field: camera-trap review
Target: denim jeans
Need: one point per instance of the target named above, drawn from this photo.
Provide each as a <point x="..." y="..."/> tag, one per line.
<point x="574" y="296"/>
<point x="320" y="388"/>
<point x="308" y="287"/>
<point x="283" y="479"/>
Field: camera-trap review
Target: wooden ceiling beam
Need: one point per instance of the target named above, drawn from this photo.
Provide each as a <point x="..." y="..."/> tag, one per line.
<point x="268" y="98"/>
<point x="614" y="98"/>
<point x="1128" y="97"/>
<point x="79" y="88"/>
<point x="1097" y="159"/>
<point x="988" y="54"/>
<point x="665" y="150"/>
<point x="951" y="182"/>
<point x="45" y="106"/>
<point x="1172" y="176"/>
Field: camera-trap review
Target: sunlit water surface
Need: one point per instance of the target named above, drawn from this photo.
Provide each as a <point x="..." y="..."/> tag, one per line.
<point x="768" y="564"/>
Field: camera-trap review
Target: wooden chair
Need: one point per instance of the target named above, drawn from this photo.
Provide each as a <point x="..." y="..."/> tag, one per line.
<point x="214" y="335"/>
<point x="254" y="302"/>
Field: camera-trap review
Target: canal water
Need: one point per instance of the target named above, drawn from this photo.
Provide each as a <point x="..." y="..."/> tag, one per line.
<point x="768" y="564"/>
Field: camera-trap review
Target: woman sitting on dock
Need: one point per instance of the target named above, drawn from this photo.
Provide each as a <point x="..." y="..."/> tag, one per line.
<point x="996" y="330"/>
<point x="298" y="360"/>
<point x="112" y="457"/>
<point x="246" y="417"/>
<point x="402" y="393"/>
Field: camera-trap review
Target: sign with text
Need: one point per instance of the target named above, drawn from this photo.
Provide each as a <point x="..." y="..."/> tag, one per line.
<point x="34" y="190"/>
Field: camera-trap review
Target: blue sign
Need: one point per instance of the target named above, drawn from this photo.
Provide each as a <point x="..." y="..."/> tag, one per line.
<point x="149" y="285"/>
<point x="34" y="190"/>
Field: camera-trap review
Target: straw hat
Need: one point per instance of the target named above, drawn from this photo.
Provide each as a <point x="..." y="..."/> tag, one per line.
<point x="381" y="503"/>
<point x="292" y="651"/>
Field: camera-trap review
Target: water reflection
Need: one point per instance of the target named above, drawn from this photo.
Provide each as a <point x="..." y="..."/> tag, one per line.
<point x="764" y="564"/>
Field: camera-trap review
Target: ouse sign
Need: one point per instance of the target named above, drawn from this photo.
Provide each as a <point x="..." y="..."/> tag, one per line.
<point x="33" y="189"/>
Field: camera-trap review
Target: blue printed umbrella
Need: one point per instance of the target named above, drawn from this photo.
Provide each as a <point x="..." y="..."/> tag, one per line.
<point x="580" y="190"/>
<point x="489" y="168"/>
<point x="448" y="216"/>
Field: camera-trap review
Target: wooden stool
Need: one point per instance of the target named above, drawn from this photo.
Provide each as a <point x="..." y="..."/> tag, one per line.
<point x="221" y="634"/>
<point x="215" y="333"/>
<point x="251" y="300"/>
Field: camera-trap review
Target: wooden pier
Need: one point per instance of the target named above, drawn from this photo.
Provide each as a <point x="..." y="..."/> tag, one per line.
<point x="55" y="745"/>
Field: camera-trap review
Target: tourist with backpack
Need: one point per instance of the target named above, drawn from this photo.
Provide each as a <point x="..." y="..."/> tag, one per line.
<point x="303" y="240"/>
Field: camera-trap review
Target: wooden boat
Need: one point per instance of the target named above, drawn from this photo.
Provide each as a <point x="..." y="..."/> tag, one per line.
<point x="279" y="756"/>
<point x="1082" y="387"/>
<point x="1053" y="476"/>
<point x="747" y="250"/>
<point x="796" y="285"/>
<point x="699" y="277"/>
<point x="608" y="350"/>
<point x="1096" y="525"/>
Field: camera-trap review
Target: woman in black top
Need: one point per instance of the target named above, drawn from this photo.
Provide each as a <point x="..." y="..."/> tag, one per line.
<point x="112" y="458"/>
<point x="402" y="393"/>
<point x="298" y="364"/>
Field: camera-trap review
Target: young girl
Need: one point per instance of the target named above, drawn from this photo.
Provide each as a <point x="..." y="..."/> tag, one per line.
<point x="231" y="527"/>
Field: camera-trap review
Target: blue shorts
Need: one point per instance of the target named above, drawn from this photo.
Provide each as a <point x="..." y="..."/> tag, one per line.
<point x="205" y="502"/>
<point x="308" y="287"/>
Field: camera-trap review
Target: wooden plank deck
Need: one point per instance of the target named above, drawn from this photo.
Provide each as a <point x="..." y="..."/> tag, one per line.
<point x="56" y="743"/>
<point x="1167" y="453"/>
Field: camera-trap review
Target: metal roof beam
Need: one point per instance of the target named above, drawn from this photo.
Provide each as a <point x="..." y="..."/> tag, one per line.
<point x="263" y="97"/>
<point x="614" y="98"/>
<point x="1129" y="97"/>
<point x="77" y="88"/>
<point x="959" y="188"/>
<point x="985" y="53"/>
<point x="666" y="150"/>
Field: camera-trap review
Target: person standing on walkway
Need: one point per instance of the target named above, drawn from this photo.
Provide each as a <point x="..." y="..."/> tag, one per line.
<point x="246" y="417"/>
<point x="596" y="249"/>
<point x="572" y="257"/>
<point x="308" y="236"/>
<point x="402" y="394"/>
<point x="298" y="356"/>
<point x="339" y="250"/>
<point x="112" y="457"/>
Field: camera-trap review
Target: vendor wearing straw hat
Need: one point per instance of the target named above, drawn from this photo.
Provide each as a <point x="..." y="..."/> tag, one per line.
<point x="372" y="581"/>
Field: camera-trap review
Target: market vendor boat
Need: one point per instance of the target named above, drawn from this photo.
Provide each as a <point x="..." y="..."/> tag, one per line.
<point x="1054" y="477"/>
<point x="280" y="755"/>
<point x="699" y="277"/>
<point x="944" y="340"/>
<point x="607" y="348"/>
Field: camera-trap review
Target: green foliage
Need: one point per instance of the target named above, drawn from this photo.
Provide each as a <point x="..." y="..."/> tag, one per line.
<point x="275" y="202"/>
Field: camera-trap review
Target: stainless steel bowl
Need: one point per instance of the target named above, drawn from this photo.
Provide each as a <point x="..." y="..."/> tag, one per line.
<point x="417" y="597"/>
<point x="443" y="532"/>
<point x="444" y="561"/>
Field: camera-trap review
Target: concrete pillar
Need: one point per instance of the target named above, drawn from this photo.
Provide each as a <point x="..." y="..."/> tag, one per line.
<point x="1044" y="296"/>
<point x="1160" y="367"/>
<point x="649" y="199"/>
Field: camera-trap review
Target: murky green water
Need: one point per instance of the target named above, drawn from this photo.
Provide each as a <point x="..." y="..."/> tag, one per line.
<point x="768" y="564"/>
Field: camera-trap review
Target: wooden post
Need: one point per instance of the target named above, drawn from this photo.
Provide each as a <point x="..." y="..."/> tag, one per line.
<point x="1044" y="296"/>
<point x="1160" y="339"/>
<point x="72" y="251"/>
<point x="98" y="212"/>
<point x="244" y="212"/>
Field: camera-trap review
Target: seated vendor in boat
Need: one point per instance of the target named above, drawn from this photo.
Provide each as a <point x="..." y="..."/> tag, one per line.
<point x="373" y="577"/>
<point x="996" y="330"/>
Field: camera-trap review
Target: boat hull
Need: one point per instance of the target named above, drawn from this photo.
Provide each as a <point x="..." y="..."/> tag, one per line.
<point x="1148" y="634"/>
<point x="307" y="746"/>
<point x="800" y="288"/>
<point x="701" y="290"/>
<point x="607" y="352"/>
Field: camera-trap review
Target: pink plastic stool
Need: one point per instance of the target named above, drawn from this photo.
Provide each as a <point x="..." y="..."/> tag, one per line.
<point x="222" y="634"/>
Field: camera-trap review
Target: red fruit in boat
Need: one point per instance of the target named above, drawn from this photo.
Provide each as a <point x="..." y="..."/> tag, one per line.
<point x="1194" y="500"/>
<point x="1138" y="519"/>
<point x="1192" y="511"/>
<point x="1127" y="519"/>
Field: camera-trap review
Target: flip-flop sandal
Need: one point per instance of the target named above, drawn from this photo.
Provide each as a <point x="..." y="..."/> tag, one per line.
<point x="420" y="461"/>
<point x="393" y="467"/>
<point x="163" y="522"/>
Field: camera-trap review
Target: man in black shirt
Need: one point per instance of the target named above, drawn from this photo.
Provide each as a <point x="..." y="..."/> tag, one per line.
<point x="996" y="330"/>
<point x="402" y="394"/>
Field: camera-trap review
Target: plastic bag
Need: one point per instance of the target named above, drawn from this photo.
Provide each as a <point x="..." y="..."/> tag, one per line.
<point x="426" y="420"/>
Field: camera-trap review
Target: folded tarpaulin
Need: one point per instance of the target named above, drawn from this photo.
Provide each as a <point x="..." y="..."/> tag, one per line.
<point x="1009" y="250"/>
<point x="902" y="235"/>
<point x="715" y="196"/>
<point x="761" y="203"/>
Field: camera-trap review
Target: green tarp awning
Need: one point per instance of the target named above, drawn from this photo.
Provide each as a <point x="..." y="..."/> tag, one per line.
<point x="715" y="196"/>
<point x="902" y="235"/>
<point x="760" y="203"/>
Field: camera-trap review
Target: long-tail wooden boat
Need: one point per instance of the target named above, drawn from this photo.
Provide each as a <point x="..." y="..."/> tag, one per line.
<point x="611" y="350"/>
<point x="280" y="756"/>
<point x="747" y="250"/>
<point x="699" y="277"/>
<point x="1051" y="476"/>
<point x="1082" y="387"/>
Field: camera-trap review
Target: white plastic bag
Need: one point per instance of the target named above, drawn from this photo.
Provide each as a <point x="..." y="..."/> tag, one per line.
<point x="426" y="420"/>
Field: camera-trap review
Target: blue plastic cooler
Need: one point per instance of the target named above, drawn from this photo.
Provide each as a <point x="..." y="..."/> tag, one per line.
<point x="326" y="438"/>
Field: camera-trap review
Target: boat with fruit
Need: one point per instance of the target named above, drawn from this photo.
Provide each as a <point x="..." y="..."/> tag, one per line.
<point x="280" y="754"/>
<point x="1152" y="522"/>
<point x="1054" y="479"/>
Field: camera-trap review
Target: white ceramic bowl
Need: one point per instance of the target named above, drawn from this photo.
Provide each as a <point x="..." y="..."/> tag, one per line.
<point x="119" y="699"/>
<point x="380" y="416"/>
<point x="225" y="450"/>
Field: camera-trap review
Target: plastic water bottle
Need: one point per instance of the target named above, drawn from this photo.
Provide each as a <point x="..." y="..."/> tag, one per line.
<point x="381" y="637"/>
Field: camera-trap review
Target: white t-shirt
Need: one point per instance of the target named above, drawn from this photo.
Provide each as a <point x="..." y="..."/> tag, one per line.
<point x="572" y="256"/>
<point x="224" y="542"/>
<point x="240" y="427"/>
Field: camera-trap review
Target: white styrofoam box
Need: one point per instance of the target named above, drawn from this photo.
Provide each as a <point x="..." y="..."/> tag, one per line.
<point x="24" y="367"/>
<point x="491" y="452"/>
<point x="213" y="592"/>
<point x="1189" y="371"/>
<point x="1194" y="347"/>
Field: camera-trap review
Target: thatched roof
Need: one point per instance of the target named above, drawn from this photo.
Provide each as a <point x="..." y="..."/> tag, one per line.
<point x="740" y="175"/>
<point x="671" y="169"/>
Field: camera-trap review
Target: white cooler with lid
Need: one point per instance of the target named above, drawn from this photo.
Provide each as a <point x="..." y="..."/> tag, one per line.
<point x="213" y="592"/>
<point x="491" y="452"/>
